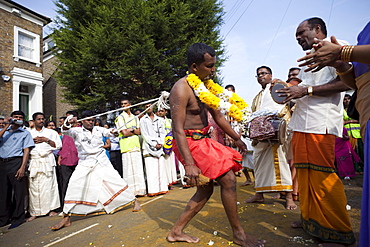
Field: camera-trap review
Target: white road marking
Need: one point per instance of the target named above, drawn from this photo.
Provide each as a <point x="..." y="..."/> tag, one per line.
<point x="159" y="197"/>
<point x="70" y="235"/>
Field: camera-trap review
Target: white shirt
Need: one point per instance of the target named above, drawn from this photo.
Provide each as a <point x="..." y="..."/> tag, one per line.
<point x="45" y="148"/>
<point x="318" y="114"/>
<point x="153" y="133"/>
<point x="89" y="144"/>
<point x="267" y="102"/>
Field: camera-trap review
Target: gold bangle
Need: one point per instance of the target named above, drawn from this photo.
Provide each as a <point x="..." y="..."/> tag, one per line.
<point x="310" y="91"/>
<point x="345" y="72"/>
<point x="346" y="53"/>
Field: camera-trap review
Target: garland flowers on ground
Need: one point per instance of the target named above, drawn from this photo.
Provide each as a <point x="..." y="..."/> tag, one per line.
<point x="217" y="97"/>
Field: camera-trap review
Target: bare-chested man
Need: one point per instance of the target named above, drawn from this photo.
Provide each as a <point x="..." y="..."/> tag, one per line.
<point x="190" y="122"/>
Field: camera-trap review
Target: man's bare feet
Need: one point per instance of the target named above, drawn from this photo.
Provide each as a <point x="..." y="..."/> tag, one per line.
<point x="63" y="223"/>
<point x="290" y="205"/>
<point x="52" y="214"/>
<point x="256" y="198"/>
<point x="182" y="237"/>
<point x="137" y="207"/>
<point x="246" y="183"/>
<point x="296" y="224"/>
<point x="246" y="240"/>
<point x="31" y="218"/>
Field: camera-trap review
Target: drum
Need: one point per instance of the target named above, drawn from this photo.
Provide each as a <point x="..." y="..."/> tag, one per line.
<point x="280" y="127"/>
<point x="278" y="84"/>
<point x="270" y="129"/>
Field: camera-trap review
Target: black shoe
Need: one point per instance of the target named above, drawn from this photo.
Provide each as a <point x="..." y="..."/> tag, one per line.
<point x="14" y="225"/>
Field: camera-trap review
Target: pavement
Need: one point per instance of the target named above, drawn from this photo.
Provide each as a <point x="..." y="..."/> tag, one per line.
<point x="149" y="227"/>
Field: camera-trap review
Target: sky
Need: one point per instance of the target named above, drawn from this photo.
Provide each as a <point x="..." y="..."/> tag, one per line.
<point x="262" y="32"/>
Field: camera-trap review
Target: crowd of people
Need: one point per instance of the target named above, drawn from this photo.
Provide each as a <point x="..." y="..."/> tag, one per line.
<point x="93" y="168"/>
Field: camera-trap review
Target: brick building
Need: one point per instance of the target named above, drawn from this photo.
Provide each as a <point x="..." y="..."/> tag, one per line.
<point x="20" y="58"/>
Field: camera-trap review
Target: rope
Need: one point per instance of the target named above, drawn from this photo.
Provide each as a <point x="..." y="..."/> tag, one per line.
<point x="161" y="101"/>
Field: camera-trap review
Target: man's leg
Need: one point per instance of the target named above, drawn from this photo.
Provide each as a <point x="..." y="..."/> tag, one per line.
<point x="228" y="197"/>
<point x="5" y="195"/>
<point x="195" y="204"/>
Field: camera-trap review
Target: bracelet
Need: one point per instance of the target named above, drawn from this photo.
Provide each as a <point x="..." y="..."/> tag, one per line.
<point x="346" y="52"/>
<point x="310" y="91"/>
<point x="345" y="72"/>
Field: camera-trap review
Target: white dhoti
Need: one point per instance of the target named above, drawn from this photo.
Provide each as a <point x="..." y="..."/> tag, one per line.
<point x="43" y="187"/>
<point x="133" y="172"/>
<point x="271" y="168"/>
<point x="170" y="165"/>
<point x="95" y="187"/>
<point x="156" y="175"/>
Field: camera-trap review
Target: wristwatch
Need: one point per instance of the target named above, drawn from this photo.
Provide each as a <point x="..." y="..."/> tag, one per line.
<point x="310" y="91"/>
<point x="48" y="141"/>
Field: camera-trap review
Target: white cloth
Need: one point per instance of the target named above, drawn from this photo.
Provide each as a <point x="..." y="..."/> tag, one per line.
<point x="133" y="171"/>
<point x="153" y="133"/>
<point x="267" y="103"/>
<point x="156" y="175"/>
<point x="170" y="166"/>
<point x="95" y="186"/>
<point x="271" y="169"/>
<point x="248" y="158"/>
<point x="43" y="187"/>
<point x="318" y="114"/>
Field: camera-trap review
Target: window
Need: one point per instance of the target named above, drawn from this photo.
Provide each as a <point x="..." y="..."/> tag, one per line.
<point x="26" y="46"/>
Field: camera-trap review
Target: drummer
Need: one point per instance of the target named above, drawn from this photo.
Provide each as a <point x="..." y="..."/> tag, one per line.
<point x="270" y="175"/>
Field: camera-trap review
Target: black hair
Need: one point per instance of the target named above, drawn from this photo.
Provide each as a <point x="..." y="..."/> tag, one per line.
<point x="36" y="114"/>
<point x="294" y="68"/>
<point x="64" y="118"/>
<point x="87" y="113"/>
<point x="264" y="67"/>
<point x="348" y="95"/>
<point x="196" y="53"/>
<point x="47" y="123"/>
<point x="317" y="21"/>
<point x="98" y="120"/>
<point x="18" y="113"/>
<point x="230" y="86"/>
<point x="74" y="113"/>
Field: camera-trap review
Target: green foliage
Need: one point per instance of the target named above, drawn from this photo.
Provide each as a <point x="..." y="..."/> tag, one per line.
<point x="129" y="48"/>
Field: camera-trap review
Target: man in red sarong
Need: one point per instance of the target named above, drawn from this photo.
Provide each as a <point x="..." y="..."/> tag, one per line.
<point x="201" y="155"/>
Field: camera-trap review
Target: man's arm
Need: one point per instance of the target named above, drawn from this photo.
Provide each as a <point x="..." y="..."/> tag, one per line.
<point x="21" y="170"/>
<point x="295" y="92"/>
<point x="226" y="127"/>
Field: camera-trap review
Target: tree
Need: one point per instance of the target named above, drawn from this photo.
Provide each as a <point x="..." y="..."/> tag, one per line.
<point x="129" y="48"/>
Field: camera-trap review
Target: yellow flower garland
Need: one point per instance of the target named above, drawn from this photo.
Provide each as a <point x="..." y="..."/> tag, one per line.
<point x="217" y="97"/>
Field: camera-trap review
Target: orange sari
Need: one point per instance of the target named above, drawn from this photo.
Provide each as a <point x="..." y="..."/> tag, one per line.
<point x="321" y="192"/>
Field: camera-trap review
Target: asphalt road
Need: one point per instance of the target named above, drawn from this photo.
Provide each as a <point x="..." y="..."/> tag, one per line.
<point x="149" y="227"/>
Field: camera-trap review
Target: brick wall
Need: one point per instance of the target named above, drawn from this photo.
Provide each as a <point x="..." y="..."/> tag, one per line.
<point x="7" y="63"/>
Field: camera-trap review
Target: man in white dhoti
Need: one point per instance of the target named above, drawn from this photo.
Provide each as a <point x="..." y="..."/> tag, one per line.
<point x="169" y="156"/>
<point x="271" y="168"/>
<point x="43" y="187"/>
<point x="153" y="133"/>
<point x="132" y="163"/>
<point x="95" y="187"/>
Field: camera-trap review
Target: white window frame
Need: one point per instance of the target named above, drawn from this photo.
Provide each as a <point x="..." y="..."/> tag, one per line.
<point x="36" y="46"/>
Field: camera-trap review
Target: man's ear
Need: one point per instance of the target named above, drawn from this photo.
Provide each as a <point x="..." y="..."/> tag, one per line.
<point x="318" y="28"/>
<point x="194" y="67"/>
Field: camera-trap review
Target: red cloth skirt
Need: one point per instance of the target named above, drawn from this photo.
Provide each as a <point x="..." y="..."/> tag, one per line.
<point x="211" y="157"/>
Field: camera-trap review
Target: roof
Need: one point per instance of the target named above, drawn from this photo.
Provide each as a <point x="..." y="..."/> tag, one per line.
<point x="43" y="18"/>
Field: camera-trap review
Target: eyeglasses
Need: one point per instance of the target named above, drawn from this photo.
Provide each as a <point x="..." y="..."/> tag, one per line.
<point x="262" y="73"/>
